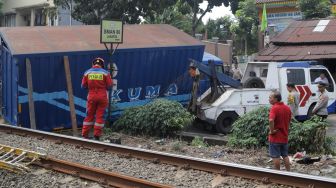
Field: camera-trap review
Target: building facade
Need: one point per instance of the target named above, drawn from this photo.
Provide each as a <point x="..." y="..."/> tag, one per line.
<point x="280" y="13"/>
<point x="34" y="13"/>
<point x="333" y="6"/>
<point x="64" y="17"/>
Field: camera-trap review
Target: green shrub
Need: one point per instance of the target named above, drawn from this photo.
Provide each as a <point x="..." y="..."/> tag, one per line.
<point x="309" y="135"/>
<point x="158" y="118"/>
<point x="329" y="144"/>
<point x="251" y="131"/>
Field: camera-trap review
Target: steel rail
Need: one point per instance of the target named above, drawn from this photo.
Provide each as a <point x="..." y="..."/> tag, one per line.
<point x="223" y="168"/>
<point x="95" y="174"/>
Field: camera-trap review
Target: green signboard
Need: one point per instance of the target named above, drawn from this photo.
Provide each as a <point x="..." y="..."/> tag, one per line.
<point x="111" y="31"/>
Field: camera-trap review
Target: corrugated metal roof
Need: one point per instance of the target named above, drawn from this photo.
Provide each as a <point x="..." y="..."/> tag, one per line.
<point x="303" y="52"/>
<point x="300" y="42"/>
<point x="32" y="40"/>
<point x="302" y="32"/>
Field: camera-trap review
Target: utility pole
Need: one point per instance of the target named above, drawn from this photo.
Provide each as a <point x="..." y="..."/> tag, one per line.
<point x="70" y="12"/>
<point x="107" y="38"/>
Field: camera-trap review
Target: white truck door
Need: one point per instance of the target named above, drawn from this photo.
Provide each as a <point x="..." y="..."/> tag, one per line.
<point x="297" y="76"/>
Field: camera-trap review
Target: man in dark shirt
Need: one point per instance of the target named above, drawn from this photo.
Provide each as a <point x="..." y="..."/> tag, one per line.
<point x="195" y="75"/>
<point x="279" y="120"/>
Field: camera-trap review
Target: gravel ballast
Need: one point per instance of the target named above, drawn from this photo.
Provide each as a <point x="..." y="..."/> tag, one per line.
<point x="258" y="157"/>
<point x="160" y="173"/>
<point x="41" y="178"/>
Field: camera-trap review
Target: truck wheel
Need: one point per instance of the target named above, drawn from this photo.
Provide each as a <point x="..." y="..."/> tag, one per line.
<point x="224" y="122"/>
<point x="254" y="82"/>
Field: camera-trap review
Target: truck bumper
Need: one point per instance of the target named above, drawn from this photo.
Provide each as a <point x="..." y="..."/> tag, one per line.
<point x="206" y="115"/>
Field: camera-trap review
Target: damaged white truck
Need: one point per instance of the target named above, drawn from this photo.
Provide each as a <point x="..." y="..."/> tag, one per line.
<point x="227" y="99"/>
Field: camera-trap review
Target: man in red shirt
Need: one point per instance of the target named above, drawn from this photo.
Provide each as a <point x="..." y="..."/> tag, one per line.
<point x="97" y="80"/>
<point x="279" y="120"/>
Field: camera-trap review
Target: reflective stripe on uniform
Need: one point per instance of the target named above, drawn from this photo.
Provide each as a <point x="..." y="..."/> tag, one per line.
<point x="88" y="123"/>
<point x="95" y="70"/>
<point x="99" y="124"/>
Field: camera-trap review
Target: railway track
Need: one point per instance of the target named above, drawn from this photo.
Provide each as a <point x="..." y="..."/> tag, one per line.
<point x="97" y="175"/>
<point x="17" y="160"/>
<point x="225" y="169"/>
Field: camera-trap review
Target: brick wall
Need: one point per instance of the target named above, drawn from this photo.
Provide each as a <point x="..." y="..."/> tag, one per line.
<point x="223" y="50"/>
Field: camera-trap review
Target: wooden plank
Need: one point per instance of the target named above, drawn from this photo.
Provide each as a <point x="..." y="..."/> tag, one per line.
<point x="70" y="96"/>
<point x="30" y="94"/>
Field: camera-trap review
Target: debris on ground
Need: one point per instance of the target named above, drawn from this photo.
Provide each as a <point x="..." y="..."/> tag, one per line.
<point x="308" y="160"/>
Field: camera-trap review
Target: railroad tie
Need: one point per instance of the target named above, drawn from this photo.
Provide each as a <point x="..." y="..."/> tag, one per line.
<point x="16" y="159"/>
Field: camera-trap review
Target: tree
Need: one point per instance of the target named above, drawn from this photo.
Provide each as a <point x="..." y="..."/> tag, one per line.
<point x="1" y="3"/>
<point x="92" y="11"/>
<point x="246" y="28"/>
<point x="178" y="15"/>
<point x="315" y="8"/>
<point x="220" y="28"/>
<point x="196" y="10"/>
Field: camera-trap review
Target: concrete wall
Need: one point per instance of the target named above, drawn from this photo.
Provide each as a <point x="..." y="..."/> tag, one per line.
<point x="223" y="51"/>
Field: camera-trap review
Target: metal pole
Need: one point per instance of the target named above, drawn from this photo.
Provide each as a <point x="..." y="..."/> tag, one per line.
<point x="110" y="89"/>
<point x="230" y="43"/>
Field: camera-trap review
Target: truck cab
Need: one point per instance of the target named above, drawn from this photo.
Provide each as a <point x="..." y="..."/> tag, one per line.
<point x="259" y="80"/>
<point x="304" y="77"/>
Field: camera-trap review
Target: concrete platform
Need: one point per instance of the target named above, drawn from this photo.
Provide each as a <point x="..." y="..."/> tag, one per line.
<point x="211" y="139"/>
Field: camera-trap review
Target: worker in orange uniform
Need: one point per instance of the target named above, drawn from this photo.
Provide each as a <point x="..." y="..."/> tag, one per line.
<point x="97" y="80"/>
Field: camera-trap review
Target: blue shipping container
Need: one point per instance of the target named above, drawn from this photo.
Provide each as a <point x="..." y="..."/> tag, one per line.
<point x="152" y="63"/>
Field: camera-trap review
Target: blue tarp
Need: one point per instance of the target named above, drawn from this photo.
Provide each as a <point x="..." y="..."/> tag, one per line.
<point x="207" y="56"/>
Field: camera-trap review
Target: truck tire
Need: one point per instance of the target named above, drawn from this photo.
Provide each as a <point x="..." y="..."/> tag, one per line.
<point x="224" y="122"/>
<point x="254" y="82"/>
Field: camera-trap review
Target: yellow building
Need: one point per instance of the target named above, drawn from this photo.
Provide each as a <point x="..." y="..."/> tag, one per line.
<point x="333" y="6"/>
<point x="27" y="13"/>
<point x="280" y="13"/>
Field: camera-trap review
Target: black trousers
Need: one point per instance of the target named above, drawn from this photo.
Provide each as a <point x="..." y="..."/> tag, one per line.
<point x="323" y="116"/>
